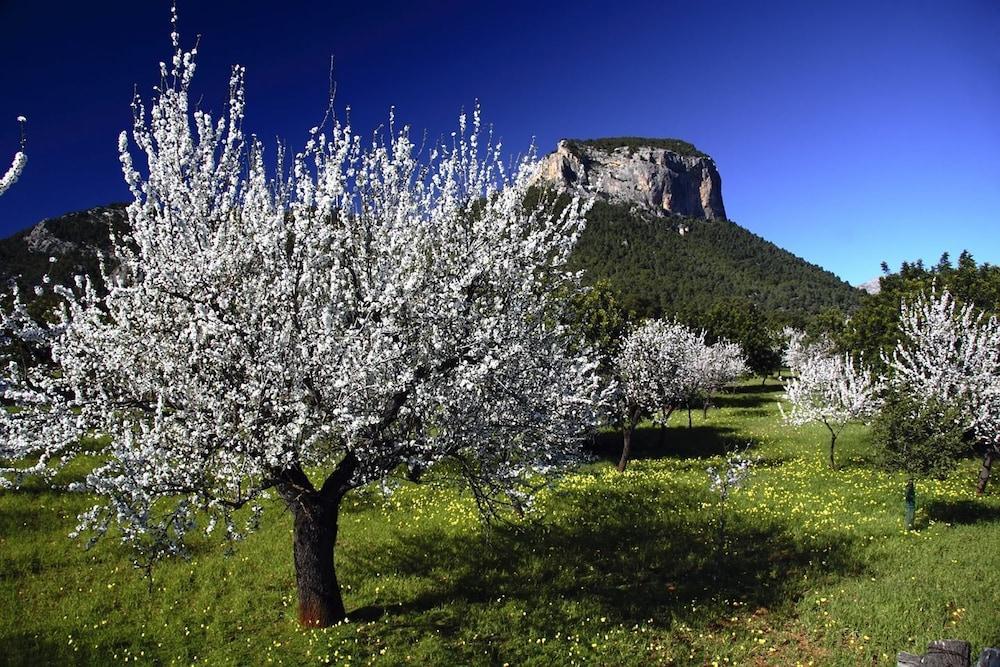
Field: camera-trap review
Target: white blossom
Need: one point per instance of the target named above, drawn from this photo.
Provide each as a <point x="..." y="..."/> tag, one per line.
<point x="832" y="391"/>
<point x="359" y="311"/>
<point x="656" y="367"/>
<point x="665" y="365"/>
<point x="951" y="353"/>
<point x="17" y="165"/>
<point x="732" y="474"/>
<point x="797" y="351"/>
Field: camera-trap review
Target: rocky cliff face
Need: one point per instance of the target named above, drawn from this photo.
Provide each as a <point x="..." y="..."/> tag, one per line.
<point x="666" y="177"/>
<point x="75" y="241"/>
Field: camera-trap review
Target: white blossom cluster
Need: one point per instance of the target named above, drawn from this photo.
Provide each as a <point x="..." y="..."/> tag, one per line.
<point x="363" y="309"/>
<point x="17" y="165"/>
<point x="664" y="365"/>
<point x="714" y="366"/>
<point x="833" y="391"/>
<point x="951" y="353"/>
<point x="797" y="351"/>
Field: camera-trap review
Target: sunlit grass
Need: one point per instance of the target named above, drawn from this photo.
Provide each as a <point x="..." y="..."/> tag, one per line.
<point x="605" y="568"/>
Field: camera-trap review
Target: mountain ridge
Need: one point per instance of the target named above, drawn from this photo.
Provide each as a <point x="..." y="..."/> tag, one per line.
<point x="678" y="259"/>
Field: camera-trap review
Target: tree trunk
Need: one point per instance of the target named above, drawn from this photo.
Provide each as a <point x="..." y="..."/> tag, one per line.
<point x="984" y="471"/>
<point x="689" y="416"/>
<point x="626" y="445"/>
<point x="320" y="602"/>
<point x="833" y="444"/>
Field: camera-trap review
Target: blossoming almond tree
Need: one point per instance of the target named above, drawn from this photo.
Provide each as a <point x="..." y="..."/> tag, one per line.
<point x="830" y="390"/>
<point x="714" y="366"/>
<point x="653" y="371"/>
<point x="17" y="165"/>
<point x="951" y="353"/>
<point x="369" y="313"/>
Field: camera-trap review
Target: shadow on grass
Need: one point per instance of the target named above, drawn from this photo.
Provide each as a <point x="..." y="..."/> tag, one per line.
<point x="758" y="402"/>
<point x="630" y="554"/>
<point x="676" y="442"/>
<point x="962" y="512"/>
<point x="757" y="388"/>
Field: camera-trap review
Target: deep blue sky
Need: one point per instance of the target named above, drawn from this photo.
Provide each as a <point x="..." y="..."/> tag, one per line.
<point x="846" y="132"/>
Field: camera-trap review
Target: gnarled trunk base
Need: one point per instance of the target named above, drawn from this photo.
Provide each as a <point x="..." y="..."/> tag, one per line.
<point x="320" y="601"/>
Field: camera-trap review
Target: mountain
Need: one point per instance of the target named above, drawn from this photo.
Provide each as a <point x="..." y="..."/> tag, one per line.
<point x="75" y="241"/>
<point x="873" y="286"/>
<point x="662" y="176"/>
<point x="659" y="235"/>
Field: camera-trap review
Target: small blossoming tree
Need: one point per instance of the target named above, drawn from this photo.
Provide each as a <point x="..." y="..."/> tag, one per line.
<point x="654" y="371"/>
<point x="723" y="480"/>
<point x="713" y="367"/>
<point x="370" y="313"/>
<point x="830" y="390"/>
<point x="17" y="165"/>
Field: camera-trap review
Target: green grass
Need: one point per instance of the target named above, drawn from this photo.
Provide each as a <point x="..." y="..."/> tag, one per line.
<point x="605" y="569"/>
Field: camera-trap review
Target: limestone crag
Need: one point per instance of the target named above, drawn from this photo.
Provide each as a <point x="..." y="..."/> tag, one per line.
<point x="656" y="179"/>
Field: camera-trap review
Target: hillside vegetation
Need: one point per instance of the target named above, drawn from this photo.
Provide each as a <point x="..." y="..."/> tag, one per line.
<point x="658" y="271"/>
<point x="678" y="146"/>
<point x="652" y="268"/>
<point x="873" y="330"/>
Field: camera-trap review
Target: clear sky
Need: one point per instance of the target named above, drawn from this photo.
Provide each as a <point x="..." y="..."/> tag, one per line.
<point x="846" y="132"/>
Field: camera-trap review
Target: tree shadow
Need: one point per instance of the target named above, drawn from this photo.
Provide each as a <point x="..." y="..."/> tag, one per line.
<point x="743" y="401"/>
<point x="629" y="554"/>
<point x="676" y="442"/>
<point x="756" y="388"/>
<point x="962" y="512"/>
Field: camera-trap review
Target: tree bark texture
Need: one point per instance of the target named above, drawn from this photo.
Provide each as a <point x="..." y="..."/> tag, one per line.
<point x="984" y="471"/>
<point x="833" y="445"/>
<point x="320" y="600"/>
<point x="627" y="431"/>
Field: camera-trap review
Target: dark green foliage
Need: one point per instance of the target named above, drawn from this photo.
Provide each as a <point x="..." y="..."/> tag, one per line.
<point x="741" y="321"/>
<point x="611" y="143"/>
<point x="921" y="438"/>
<point x="657" y="272"/>
<point x="597" y="314"/>
<point x="874" y="326"/>
<point x="830" y="324"/>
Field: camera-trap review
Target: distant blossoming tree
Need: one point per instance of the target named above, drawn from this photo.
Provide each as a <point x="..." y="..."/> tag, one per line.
<point x="17" y="165"/>
<point x="369" y="313"/>
<point x="654" y="371"/>
<point x="714" y="367"/>
<point x="951" y="354"/>
<point x="830" y="390"/>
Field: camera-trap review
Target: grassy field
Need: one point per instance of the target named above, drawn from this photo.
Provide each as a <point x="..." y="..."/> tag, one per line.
<point x="607" y="568"/>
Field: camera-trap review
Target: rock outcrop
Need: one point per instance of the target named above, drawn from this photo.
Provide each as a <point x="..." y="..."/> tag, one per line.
<point x="873" y="286"/>
<point x="75" y="241"/>
<point x="666" y="177"/>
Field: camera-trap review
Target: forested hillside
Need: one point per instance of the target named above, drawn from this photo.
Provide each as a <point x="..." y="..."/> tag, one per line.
<point x="658" y="270"/>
